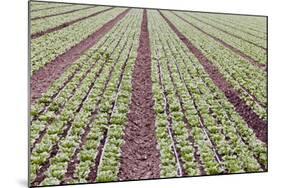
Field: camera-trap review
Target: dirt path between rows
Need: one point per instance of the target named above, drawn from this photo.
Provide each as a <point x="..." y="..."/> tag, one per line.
<point x="61" y="13"/>
<point x="140" y="157"/>
<point x="66" y="24"/>
<point x="235" y="50"/>
<point x="258" y="125"/>
<point x="44" y="77"/>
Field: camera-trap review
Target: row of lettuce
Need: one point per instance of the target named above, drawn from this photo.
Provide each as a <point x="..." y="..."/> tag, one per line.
<point x="197" y="129"/>
<point x="56" y="11"/>
<point x="224" y="141"/>
<point x="247" y="79"/>
<point x="47" y="47"/>
<point x="39" y="6"/>
<point x="41" y="25"/>
<point x="106" y="97"/>
<point x="254" y="24"/>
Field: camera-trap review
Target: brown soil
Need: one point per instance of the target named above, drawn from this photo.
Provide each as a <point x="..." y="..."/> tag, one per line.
<point x="66" y="24"/>
<point x="61" y="13"/>
<point x="50" y="8"/>
<point x="258" y="125"/>
<point x="236" y="50"/>
<point x="44" y="77"/>
<point x="226" y="32"/>
<point x="140" y="158"/>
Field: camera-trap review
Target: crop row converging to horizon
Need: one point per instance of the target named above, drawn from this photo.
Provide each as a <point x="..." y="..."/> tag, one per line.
<point x="129" y="93"/>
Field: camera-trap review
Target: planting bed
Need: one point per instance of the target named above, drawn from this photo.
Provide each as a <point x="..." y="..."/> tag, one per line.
<point x="122" y="94"/>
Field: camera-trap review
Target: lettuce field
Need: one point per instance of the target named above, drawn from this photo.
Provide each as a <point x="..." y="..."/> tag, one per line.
<point x="120" y="93"/>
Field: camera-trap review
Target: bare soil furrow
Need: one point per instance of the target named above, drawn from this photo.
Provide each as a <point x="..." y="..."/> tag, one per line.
<point x="66" y="24"/>
<point x="60" y="13"/>
<point x="258" y="125"/>
<point x="140" y="158"/>
<point x="236" y="50"/>
<point x="44" y="77"/>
